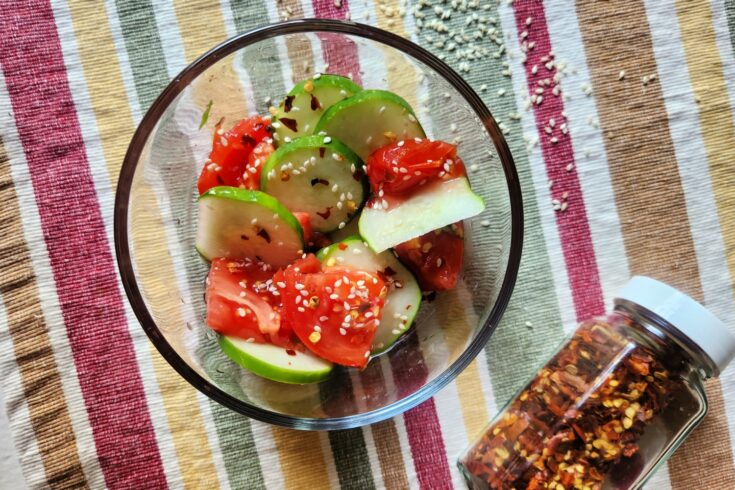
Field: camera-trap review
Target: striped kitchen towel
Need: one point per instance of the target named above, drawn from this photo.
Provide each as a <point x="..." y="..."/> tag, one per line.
<point x="620" y="118"/>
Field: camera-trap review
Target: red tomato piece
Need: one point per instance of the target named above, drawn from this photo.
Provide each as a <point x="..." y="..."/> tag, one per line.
<point x="243" y="302"/>
<point x="305" y="223"/>
<point x="334" y="311"/>
<point x="256" y="161"/>
<point x="400" y="167"/>
<point x="230" y="155"/>
<point x="313" y="239"/>
<point x="435" y="258"/>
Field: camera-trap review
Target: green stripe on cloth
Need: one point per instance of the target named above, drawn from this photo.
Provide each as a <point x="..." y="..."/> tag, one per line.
<point x="514" y="344"/>
<point x="246" y="15"/>
<point x="148" y="66"/>
<point x="730" y="11"/>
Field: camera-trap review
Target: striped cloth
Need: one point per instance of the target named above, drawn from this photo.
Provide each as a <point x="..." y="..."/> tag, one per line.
<point x="641" y="148"/>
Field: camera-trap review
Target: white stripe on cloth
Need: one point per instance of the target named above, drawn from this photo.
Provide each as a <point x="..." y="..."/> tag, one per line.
<point x="11" y="471"/>
<point x="53" y="318"/>
<point x="538" y="170"/>
<point x="691" y="155"/>
<point x="592" y="170"/>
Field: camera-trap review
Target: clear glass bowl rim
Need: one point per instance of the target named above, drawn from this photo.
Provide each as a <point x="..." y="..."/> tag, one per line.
<point x="147" y="125"/>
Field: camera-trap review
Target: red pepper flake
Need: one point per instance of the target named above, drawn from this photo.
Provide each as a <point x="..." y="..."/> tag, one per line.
<point x="580" y="416"/>
<point x="288" y="103"/>
<point x="291" y="124"/>
<point x="342" y="246"/>
<point x="326" y="214"/>
<point x="315" y="104"/>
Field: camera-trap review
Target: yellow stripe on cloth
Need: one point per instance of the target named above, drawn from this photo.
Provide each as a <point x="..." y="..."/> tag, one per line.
<point x="115" y="126"/>
<point x="202" y="27"/>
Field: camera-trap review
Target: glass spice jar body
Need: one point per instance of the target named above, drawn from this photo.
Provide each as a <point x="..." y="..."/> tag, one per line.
<point x="613" y="403"/>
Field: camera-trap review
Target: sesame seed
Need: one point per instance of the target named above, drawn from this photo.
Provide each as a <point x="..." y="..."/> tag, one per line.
<point x="621" y="75"/>
<point x="299" y="286"/>
<point x="327" y="139"/>
<point x="564" y="206"/>
<point x="554" y="140"/>
<point x="570" y="167"/>
<point x="485" y="223"/>
<point x="301" y="309"/>
<point x="314" y="337"/>
<point x="341" y="225"/>
<point x="342" y="331"/>
<point x="250" y="340"/>
<point x="501" y="92"/>
<point x="241" y="312"/>
<point x="281" y="284"/>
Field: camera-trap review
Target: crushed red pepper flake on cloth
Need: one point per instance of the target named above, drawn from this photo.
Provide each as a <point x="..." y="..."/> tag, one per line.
<point x="582" y="414"/>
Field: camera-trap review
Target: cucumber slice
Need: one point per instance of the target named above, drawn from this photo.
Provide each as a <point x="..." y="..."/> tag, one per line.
<point x="239" y="223"/>
<point x="276" y="363"/>
<point x="437" y="205"/>
<point x="300" y="111"/>
<point x="370" y="119"/>
<point x="317" y="175"/>
<point x="352" y="229"/>
<point x="404" y="293"/>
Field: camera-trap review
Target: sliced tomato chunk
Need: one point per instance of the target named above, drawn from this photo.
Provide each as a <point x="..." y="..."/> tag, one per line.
<point x="335" y="311"/>
<point x="256" y="161"/>
<point x="229" y="162"/>
<point x="243" y="302"/>
<point x="401" y="167"/>
<point x="313" y="239"/>
<point x="435" y="258"/>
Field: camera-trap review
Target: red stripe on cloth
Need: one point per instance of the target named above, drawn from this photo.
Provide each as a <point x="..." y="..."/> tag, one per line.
<point x="80" y="257"/>
<point x="340" y="52"/>
<point x="422" y="422"/>
<point x="574" y="230"/>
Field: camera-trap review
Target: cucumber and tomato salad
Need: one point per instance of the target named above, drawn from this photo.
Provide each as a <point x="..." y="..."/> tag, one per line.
<point x="324" y="224"/>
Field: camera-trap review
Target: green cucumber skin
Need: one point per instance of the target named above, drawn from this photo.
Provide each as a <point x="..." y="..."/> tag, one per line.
<point x="262" y="368"/>
<point x="309" y="142"/>
<point x="337" y="81"/>
<point x="324" y="88"/>
<point x="257" y="197"/>
<point x="358" y="98"/>
<point x="362" y="121"/>
<point x="315" y="142"/>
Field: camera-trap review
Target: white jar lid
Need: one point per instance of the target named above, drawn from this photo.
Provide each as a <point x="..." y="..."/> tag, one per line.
<point x="692" y="320"/>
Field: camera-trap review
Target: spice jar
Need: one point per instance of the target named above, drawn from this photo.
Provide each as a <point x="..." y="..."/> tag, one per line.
<point x="614" y="402"/>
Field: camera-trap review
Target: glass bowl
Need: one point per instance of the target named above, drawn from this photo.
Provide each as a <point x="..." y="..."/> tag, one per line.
<point x="155" y="220"/>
